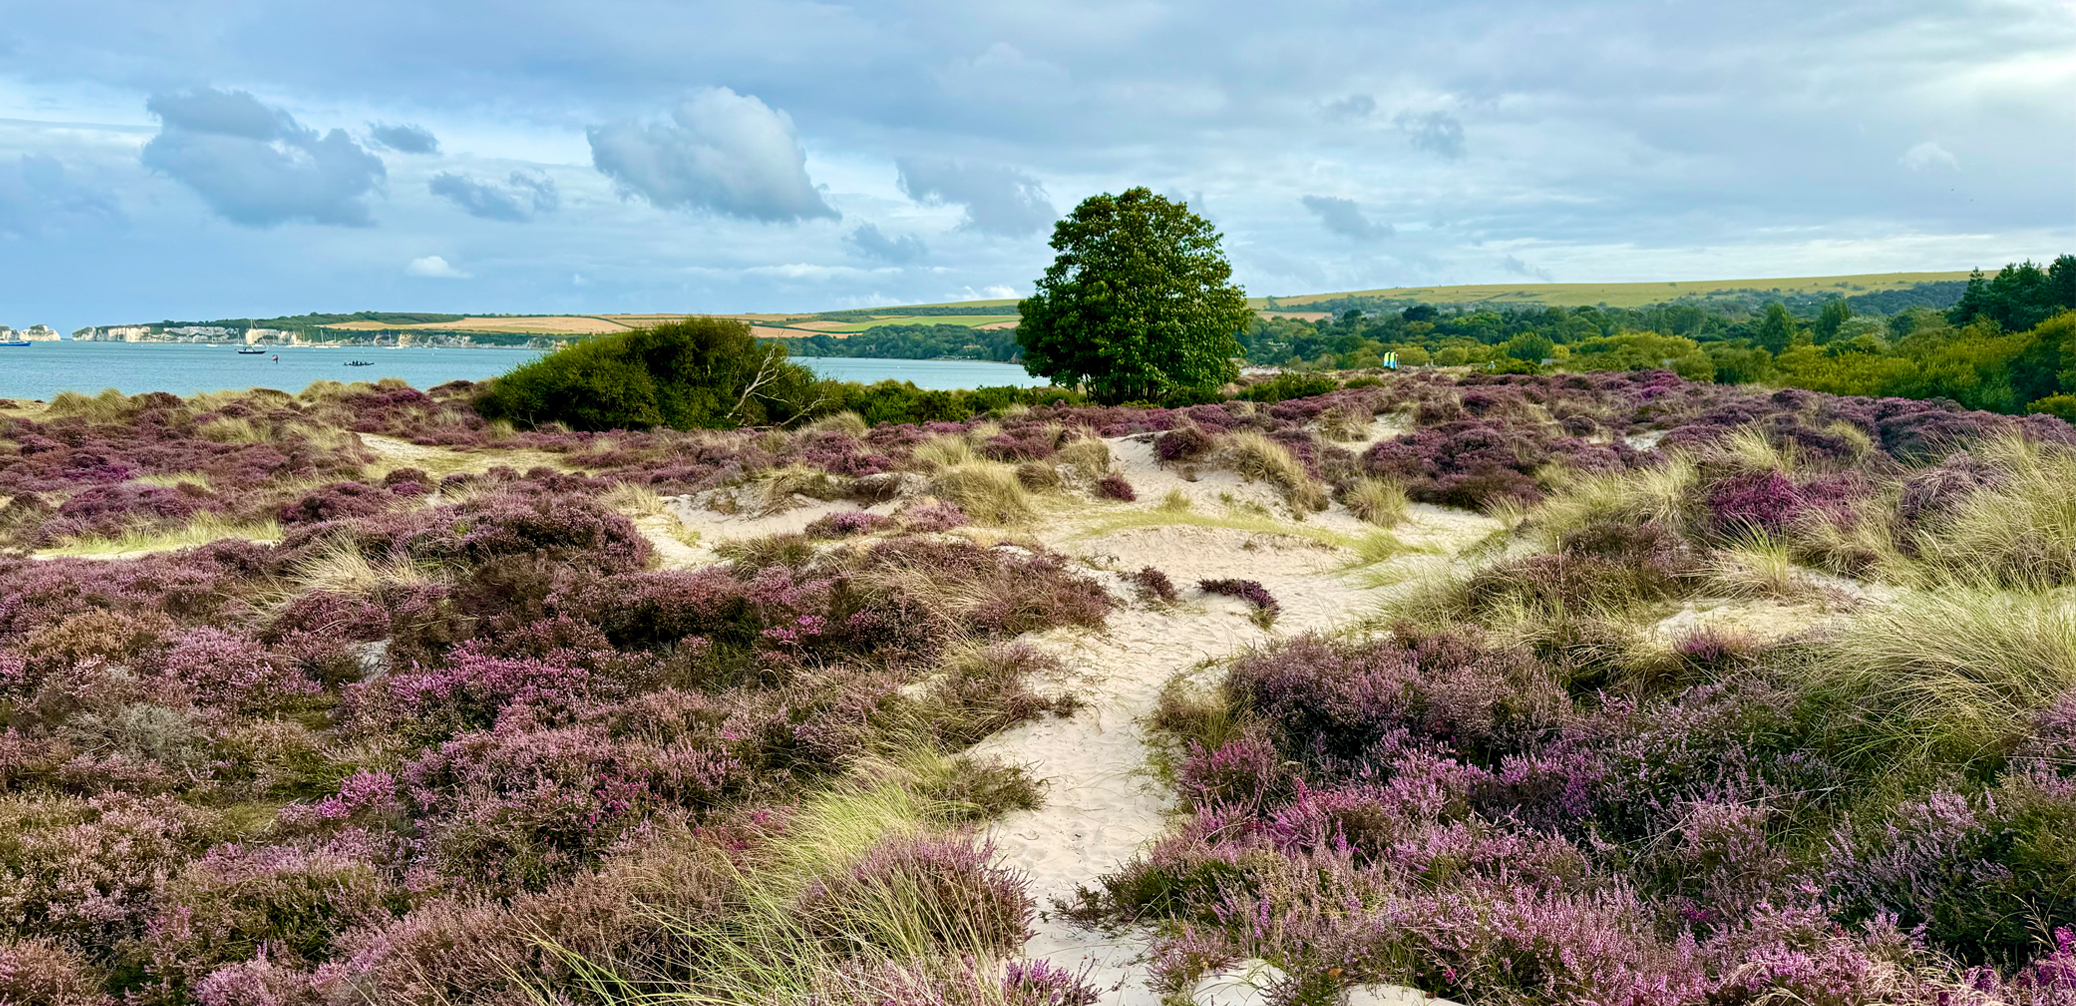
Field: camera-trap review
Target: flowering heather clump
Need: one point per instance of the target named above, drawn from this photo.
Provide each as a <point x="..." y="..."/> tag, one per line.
<point x="1183" y="443"/>
<point x="908" y="892"/>
<point x="1253" y="593"/>
<point x="1153" y="586"/>
<point x="47" y="973"/>
<point x="848" y="524"/>
<point x="1116" y="487"/>
<point x="931" y="517"/>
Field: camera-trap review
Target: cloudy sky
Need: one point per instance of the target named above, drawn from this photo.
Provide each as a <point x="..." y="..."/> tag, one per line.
<point x="204" y="158"/>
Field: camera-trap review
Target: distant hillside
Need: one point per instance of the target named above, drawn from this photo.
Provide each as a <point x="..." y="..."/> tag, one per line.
<point x="1871" y="292"/>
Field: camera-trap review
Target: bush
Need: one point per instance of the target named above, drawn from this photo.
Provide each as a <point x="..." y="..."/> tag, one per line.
<point x="695" y="373"/>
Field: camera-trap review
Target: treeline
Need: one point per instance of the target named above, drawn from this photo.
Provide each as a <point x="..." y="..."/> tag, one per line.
<point x="911" y="342"/>
<point x="2000" y="347"/>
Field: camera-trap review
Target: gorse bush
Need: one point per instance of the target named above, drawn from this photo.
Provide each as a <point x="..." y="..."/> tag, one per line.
<point x="694" y="373"/>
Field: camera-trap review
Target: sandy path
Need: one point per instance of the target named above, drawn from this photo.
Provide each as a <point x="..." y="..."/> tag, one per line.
<point x="1102" y="803"/>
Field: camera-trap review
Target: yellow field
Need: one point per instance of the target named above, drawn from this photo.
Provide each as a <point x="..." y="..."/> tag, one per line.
<point x="1626" y="294"/>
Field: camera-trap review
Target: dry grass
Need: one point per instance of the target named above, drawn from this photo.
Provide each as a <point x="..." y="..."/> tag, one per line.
<point x="946" y="451"/>
<point x="339" y="566"/>
<point x="173" y="480"/>
<point x="1962" y="670"/>
<point x="1255" y="456"/>
<point x="107" y="407"/>
<point x="1654" y="495"/>
<point x="202" y="530"/>
<point x="1758" y="567"/>
<point x="780" y="487"/>
<point x="1176" y="501"/>
<point x="988" y="491"/>
<point x="1344" y="423"/>
<point x="1089" y="457"/>
<point x="1378" y="501"/>
<point x="2020" y="532"/>
<point x="839" y="422"/>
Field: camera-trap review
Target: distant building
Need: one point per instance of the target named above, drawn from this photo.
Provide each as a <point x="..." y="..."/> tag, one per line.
<point x="38" y="333"/>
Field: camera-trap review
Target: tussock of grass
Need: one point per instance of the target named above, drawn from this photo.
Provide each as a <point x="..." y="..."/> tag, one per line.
<point x="173" y="480"/>
<point x="839" y="422"/>
<point x="2020" y="531"/>
<point x="781" y="485"/>
<point x="1255" y="456"/>
<point x="988" y="491"/>
<point x="1379" y="501"/>
<point x="338" y="566"/>
<point x="948" y="451"/>
<point x="1657" y="494"/>
<point x="1089" y="457"/>
<point x="779" y="946"/>
<point x="107" y="407"/>
<point x="1175" y="501"/>
<point x="202" y="530"/>
<point x="1759" y="567"/>
<point x="1960" y="670"/>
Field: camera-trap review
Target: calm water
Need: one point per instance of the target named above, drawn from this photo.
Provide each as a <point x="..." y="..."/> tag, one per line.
<point x="44" y="369"/>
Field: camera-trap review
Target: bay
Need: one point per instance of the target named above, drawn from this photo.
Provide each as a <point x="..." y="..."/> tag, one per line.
<point x="43" y="369"/>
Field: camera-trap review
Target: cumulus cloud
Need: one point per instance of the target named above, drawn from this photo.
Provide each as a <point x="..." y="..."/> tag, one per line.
<point x="256" y="165"/>
<point x="869" y="242"/>
<point x="724" y="152"/>
<point x="1345" y="217"/>
<point x="1438" y="133"/>
<point x="434" y="267"/>
<point x="1354" y="106"/>
<point x="999" y="201"/>
<point x="516" y="199"/>
<point x="1520" y="268"/>
<point x="1928" y="155"/>
<point x="36" y="196"/>
<point x="404" y="139"/>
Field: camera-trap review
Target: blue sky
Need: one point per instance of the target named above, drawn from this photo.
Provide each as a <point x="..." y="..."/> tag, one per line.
<point x="205" y="158"/>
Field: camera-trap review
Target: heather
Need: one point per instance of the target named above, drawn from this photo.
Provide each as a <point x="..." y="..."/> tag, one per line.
<point x="1557" y="772"/>
<point x="381" y="698"/>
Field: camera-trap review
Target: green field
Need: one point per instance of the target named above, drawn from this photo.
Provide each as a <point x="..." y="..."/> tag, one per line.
<point x="1625" y="294"/>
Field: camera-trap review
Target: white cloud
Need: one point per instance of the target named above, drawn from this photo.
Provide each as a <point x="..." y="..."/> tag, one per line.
<point x="869" y="241"/>
<point x="1345" y="217"/>
<point x="1929" y="155"/>
<point x="517" y="199"/>
<point x="724" y="152"/>
<point x="434" y="267"/>
<point x="999" y="201"/>
<point x="256" y="165"/>
<point x="405" y="139"/>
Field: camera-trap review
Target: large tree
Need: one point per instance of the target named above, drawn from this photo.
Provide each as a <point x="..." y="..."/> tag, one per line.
<point x="1138" y="305"/>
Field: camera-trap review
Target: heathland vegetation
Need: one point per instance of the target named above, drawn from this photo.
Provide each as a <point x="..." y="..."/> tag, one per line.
<point x="1606" y="687"/>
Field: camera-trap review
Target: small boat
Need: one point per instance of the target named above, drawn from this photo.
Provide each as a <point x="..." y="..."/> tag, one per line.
<point x="360" y="363"/>
<point x="252" y="352"/>
<point x="17" y="342"/>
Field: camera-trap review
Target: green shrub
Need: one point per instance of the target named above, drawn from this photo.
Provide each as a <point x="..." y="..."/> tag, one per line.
<point x="699" y="372"/>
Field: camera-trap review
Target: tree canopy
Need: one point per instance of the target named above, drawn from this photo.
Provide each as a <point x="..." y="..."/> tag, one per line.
<point x="1138" y="304"/>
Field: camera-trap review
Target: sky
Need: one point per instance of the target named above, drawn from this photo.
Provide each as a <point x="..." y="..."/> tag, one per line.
<point x="192" y="159"/>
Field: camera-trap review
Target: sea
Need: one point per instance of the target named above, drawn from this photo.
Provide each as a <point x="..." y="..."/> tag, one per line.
<point x="40" y="370"/>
